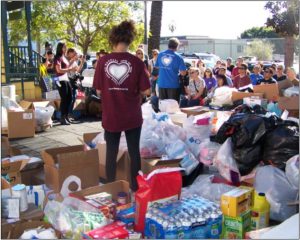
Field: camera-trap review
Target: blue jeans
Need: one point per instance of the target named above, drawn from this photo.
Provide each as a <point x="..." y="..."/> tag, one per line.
<point x="184" y="102"/>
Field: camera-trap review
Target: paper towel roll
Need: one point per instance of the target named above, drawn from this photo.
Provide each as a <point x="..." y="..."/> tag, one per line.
<point x="19" y="191"/>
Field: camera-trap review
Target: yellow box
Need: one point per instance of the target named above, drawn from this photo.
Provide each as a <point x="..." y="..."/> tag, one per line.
<point x="251" y="189"/>
<point x="236" y="202"/>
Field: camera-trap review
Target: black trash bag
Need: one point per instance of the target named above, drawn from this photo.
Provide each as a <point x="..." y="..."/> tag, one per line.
<point x="247" y="158"/>
<point x="250" y="129"/>
<point x="281" y="144"/>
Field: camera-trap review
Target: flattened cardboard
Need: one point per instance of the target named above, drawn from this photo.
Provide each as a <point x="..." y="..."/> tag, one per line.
<point x="20" y="124"/>
<point x="270" y="91"/>
<point x="113" y="188"/>
<point x="288" y="103"/>
<point x="194" y="110"/>
<point x="33" y="103"/>
<point x="241" y="95"/>
<point x="123" y="159"/>
<point x="148" y="165"/>
<point x="60" y="163"/>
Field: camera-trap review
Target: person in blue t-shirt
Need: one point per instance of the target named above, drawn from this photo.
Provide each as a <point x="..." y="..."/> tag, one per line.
<point x="255" y="76"/>
<point x="170" y="64"/>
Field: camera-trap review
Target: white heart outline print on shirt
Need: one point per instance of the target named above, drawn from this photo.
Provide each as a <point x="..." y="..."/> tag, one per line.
<point x="166" y="60"/>
<point x="118" y="71"/>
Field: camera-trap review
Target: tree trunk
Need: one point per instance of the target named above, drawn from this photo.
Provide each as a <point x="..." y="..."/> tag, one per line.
<point x="289" y="50"/>
<point x="155" y="25"/>
<point x="85" y="49"/>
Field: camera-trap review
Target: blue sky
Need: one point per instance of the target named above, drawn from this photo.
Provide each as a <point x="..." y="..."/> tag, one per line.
<point x="215" y="19"/>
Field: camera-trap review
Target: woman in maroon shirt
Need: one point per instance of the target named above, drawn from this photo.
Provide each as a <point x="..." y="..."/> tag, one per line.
<point x="61" y="66"/>
<point x="121" y="78"/>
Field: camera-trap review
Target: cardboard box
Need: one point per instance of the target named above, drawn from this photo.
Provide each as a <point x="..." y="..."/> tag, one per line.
<point x="270" y="91"/>
<point x="20" y="124"/>
<point x="113" y="188"/>
<point x="11" y="171"/>
<point x="33" y="103"/>
<point x="194" y="110"/>
<point x="7" y="150"/>
<point x="148" y="165"/>
<point x="63" y="162"/>
<point x="252" y="101"/>
<point x="19" y="228"/>
<point x="241" y="95"/>
<point x="289" y="103"/>
<point x="123" y="159"/>
<point x="236" y="202"/>
<point x="236" y="227"/>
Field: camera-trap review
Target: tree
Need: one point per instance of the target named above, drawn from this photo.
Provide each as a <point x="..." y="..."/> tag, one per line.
<point x="155" y="25"/>
<point x="83" y="23"/>
<point x="263" y="50"/>
<point x="285" y="21"/>
<point x="259" y="32"/>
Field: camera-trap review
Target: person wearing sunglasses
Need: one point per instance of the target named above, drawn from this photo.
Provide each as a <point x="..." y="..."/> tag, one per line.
<point x="195" y="91"/>
<point x="279" y="76"/>
<point x="242" y="79"/>
<point x="235" y="70"/>
<point x="268" y="79"/>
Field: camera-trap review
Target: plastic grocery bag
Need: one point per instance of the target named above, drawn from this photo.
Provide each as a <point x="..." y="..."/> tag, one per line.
<point x="208" y="150"/>
<point x="279" y="192"/>
<point x="193" y="129"/>
<point x="176" y="149"/>
<point x="189" y="163"/>
<point x="193" y="143"/>
<point x="292" y="171"/>
<point x="204" y="187"/>
<point x="292" y="91"/>
<point x="43" y="115"/>
<point x="273" y="107"/>
<point x="159" y="185"/>
<point x="226" y="164"/>
<point x="3" y="117"/>
<point x="73" y="217"/>
<point x="222" y="96"/>
<point x="169" y="106"/>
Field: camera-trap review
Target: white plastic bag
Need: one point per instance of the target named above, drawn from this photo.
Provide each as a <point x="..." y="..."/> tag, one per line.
<point x="189" y="163"/>
<point x="193" y="144"/>
<point x="204" y="187"/>
<point x="193" y="129"/>
<point x="226" y="164"/>
<point x="169" y="106"/>
<point x="292" y="91"/>
<point x="43" y="115"/>
<point x="176" y="149"/>
<point x="3" y="117"/>
<point x="279" y="192"/>
<point x="207" y="151"/>
<point x="292" y="171"/>
<point x="147" y="110"/>
<point x="222" y="96"/>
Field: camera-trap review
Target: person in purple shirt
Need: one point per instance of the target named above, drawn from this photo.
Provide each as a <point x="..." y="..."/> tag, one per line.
<point x="255" y="76"/>
<point x="210" y="81"/>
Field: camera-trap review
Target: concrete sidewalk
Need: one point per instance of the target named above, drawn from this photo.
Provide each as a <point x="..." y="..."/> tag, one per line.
<point x="57" y="136"/>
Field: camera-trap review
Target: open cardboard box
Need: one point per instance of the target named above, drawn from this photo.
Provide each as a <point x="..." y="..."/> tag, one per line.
<point x="291" y="104"/>
<point x="12" y="170"/>
<point x="241" y="95"/>
<point x="123" y="159"/>
<point x="7" y="150"/>
<point x="148" y="165"/>
<point x="18" y="229"/>
<point x="270" y="91"/>
<point x="33" y="103"/>
<point x="113" y="188"/>
<point x="63" y="162"/>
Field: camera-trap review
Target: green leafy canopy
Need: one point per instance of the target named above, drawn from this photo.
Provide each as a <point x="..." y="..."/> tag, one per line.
<point x="82" y="23"/>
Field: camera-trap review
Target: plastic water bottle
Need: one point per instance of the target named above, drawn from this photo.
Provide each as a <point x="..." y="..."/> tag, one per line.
<point x="186" y="227"/>
<point x="199" y="229"/>
<point x="170" y="231"/>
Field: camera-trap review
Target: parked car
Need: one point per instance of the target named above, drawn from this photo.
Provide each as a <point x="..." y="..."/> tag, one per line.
<point x="209" y="59"/>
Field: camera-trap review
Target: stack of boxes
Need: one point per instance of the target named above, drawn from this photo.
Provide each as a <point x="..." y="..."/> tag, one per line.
<point x="236" y="208"/>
